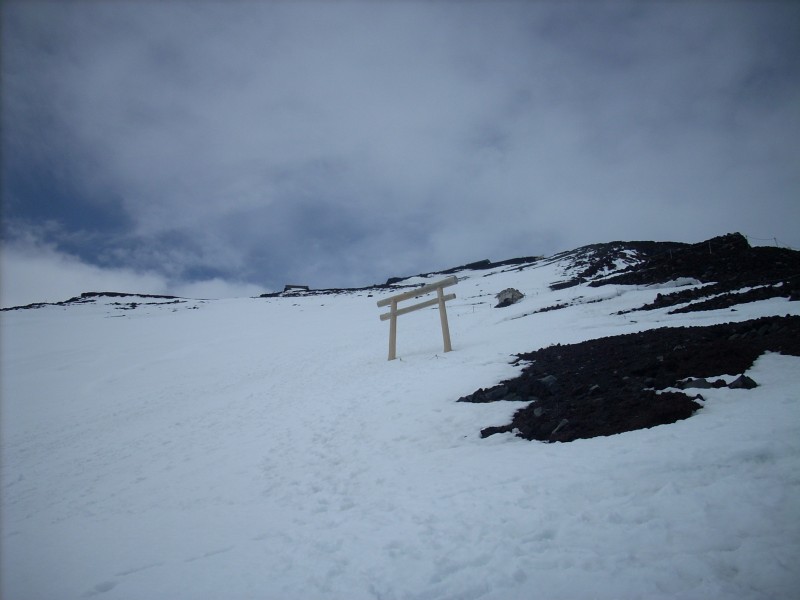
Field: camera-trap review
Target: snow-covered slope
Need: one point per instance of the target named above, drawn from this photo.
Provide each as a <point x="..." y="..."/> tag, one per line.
<point x="265" y="448"/>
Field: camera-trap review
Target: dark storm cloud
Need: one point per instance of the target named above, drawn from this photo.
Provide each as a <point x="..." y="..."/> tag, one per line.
<point x="341" y="143"/>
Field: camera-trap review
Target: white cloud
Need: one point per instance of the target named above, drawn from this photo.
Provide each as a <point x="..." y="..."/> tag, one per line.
<point x="31" y="272"/>
<point x="34" y="273"/>
<point x="343" y="143"/>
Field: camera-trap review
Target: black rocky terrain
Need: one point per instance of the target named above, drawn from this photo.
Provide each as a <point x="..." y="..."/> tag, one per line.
<point x="91" y="297"/>
<point x="726" y="259"/>
<point x="614" y="384"/>
<point x="596" y="260"/>
<point x="734" y="271"/>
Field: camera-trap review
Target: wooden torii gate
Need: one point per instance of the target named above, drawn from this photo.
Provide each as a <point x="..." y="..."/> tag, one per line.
<point x="440" y="299"/>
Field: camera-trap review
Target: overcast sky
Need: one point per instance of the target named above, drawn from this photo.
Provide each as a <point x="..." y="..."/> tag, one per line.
<point x="227" y="148"/>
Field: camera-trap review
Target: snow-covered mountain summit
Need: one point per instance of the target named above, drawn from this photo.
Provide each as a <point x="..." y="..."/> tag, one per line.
<point x="265" y="447"/>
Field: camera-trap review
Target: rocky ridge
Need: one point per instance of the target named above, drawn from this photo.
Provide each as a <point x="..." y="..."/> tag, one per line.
<point x="621" y="383"/>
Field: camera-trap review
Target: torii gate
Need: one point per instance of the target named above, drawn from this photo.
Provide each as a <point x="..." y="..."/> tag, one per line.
<point x="394" y="312"/>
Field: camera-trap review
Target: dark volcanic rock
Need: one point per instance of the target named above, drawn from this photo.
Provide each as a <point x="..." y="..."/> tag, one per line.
<point x="90" y="297"/>
<point x="743" y="383"/>
<point x="718" y="295"/>
<point x="593" y="260"/>
<point x="728" y="262"/>
<point x="608" y="385"/>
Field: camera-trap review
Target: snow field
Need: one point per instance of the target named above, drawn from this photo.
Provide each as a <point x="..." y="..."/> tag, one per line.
<point x="265" y="448"/>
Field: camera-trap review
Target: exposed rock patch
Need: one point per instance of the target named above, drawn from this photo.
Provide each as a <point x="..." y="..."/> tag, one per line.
<point x="91" y="297"/>
<point x="717" y="296"/>
<point x="738" y="274"/>
<point x="727" y="259"/>
<point x="609" y="385"/>
<point x="735" y="272"/>
<point x="595" y="260"/>
<point x="508" y="297"/>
